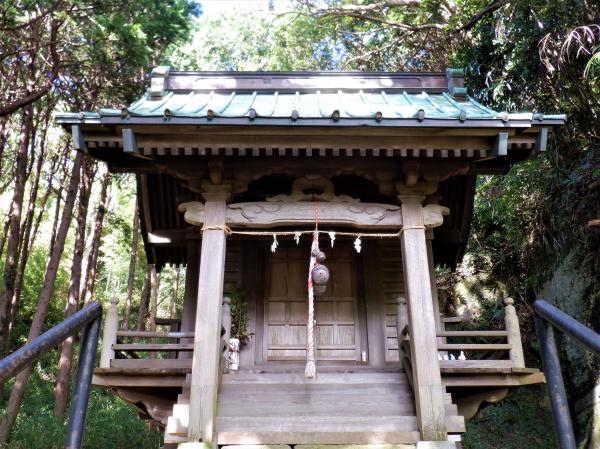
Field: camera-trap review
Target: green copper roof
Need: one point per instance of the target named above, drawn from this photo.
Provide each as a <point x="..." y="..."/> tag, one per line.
<point x="297" y="105"/>
<point x="307" y="98"/>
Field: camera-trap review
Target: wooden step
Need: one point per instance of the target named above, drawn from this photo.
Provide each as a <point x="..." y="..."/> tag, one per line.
<point x="322" y="378"/>
<point x="345" y="446"/>
<point x="248" y="421"/>
<point x="317" y="430"/>
<point x="335" y="408"/>
<point x="320" y="389"/>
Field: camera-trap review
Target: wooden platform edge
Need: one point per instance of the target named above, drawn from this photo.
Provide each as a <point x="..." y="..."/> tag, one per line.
<point x="493" y="380"/>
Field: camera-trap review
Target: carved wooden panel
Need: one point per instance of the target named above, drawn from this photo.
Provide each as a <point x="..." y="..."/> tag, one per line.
<point x="337" y="332"/>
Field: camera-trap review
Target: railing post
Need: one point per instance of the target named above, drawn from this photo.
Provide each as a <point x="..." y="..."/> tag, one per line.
<point x="511" y="322"/>
<point x="109" y="336"/>
<point x="554" y="382"/>
<point x="226" y="318"/>
<point x="226" y="324"/>
<point x="401" y="322"/>
<point x="81" y="393"/>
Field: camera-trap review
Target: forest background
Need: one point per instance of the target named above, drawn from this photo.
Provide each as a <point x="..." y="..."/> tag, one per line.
<point x="67" y="226"/>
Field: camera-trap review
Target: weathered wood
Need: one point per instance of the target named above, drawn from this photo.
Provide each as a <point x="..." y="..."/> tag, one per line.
<point x="207" y="339"/>
<point x="439" y="326"/>
<point x="428" y="387"/>
<point x="142" y="364"/>
<point x="155" y="379"/>
<point x="541" y="140"/>
<point x="129" y="141"/>
<point x="271" y="214"/>
<point x="501" y="145"/>
<point x="474" y="347"/>
<point x="492" y="380"/>
<point x="155" y="347"/>
<point x="475" y="365"/>
<point x="109" y="336"/>
<point x="351" y="446"/>
<point x="472" y="334"/>
<point x="453" y="319"/>
<point x="401" y="322"/>
<point x="511" y="321"/>
<point x="147" y="334"/>
<point x="167" y="321"/>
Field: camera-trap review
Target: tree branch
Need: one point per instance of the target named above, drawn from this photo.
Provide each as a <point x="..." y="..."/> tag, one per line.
<point x="490" y="9"/>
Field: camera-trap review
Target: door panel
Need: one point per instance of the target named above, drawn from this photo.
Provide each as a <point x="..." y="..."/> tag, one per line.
<point x="337" y="330"/>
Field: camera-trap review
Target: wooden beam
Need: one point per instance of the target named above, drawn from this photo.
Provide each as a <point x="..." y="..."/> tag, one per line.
<point x="144" y="334"/>
<point x="207" y="340"/>
<point x="541" y="140"/>
<point x="428" y="388"/>
<point x="472" y="334"/>
<point x="78" y="140"/>
<point x="272" y="214"/>
<point x="152" y="347"/>
<point x="141" y="379"/>
<point x="474" y="347"/>
<point x="500" y="147"/>
<point x="129" y="141"/>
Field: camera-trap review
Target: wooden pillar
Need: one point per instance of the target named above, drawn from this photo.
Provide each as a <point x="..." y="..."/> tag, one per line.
<point x="190" y="295"/>
<point x="439" y="326"/>
<point x="427" y="381"/>
<point x="511" y="321"/>
<point x="207" y="337"/>
<point x="109" y="336"/>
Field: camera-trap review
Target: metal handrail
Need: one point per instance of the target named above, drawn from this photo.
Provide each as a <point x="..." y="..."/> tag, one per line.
<point x="87" y="319"/>
<point x="547" y="317"/>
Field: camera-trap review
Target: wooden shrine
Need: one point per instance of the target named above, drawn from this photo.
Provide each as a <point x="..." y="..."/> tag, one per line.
<point x="233" y="171"/>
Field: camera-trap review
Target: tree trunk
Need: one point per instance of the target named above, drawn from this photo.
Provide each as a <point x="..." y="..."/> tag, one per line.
<point x="58" y="201"/>
<point x="56" y="219"/>
<point x="132" y="263"/>
<point x="27" y="240"/>
<point x="5" y="229"/>
<point x="3" y="136"/>
<point x="144" y="297"/>
<point x="66" y="355"/>
<point x="92" y="262"/>
<point x="14" y="228"/>
<point x="16" y="395"/>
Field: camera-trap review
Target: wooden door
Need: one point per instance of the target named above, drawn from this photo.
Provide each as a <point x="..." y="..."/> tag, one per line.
<point x="337" y="331"/>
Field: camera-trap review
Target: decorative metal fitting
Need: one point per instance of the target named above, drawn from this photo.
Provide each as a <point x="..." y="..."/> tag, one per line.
<point x="320" y="275"/>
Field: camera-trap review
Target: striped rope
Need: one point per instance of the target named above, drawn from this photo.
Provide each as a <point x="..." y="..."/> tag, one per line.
<point x="311" y="367"/>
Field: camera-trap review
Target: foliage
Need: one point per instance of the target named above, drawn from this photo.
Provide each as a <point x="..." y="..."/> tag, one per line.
<point x="110" y="422"/>
<point x="239" y="315"/>
<point x="510" y="423"/>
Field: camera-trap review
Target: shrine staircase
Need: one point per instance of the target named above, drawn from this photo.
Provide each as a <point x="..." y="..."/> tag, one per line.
<point x="335" y="408"/>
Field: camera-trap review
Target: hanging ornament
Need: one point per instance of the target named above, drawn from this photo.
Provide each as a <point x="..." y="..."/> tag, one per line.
<point x="275" y="243"/>
<point x="297" y="235"/>
<point x="358" y="244"/>
<point x="332" y="237"/>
